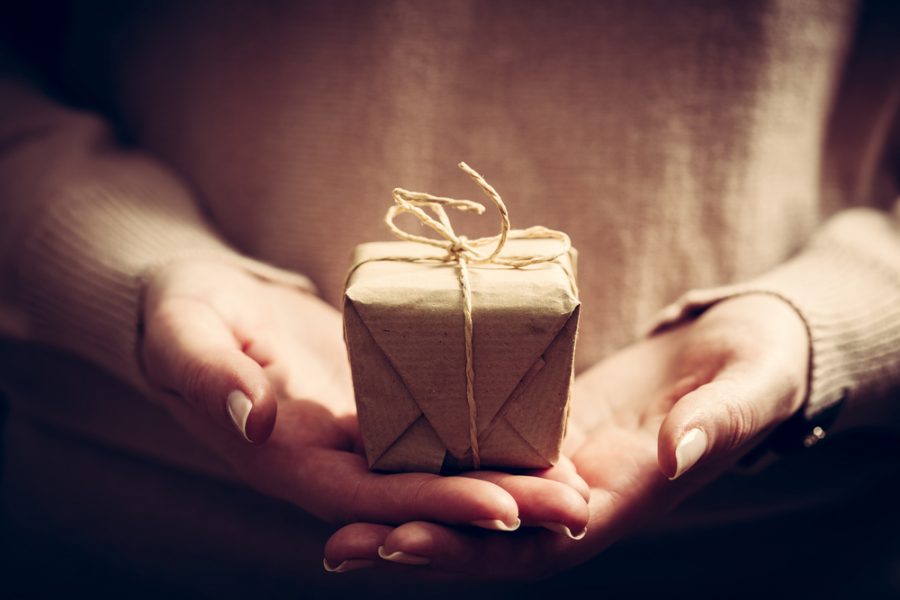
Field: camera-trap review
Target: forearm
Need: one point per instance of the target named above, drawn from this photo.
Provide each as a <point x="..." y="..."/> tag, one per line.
<point x="84" y="221"/>
<point x="846" y="286"/>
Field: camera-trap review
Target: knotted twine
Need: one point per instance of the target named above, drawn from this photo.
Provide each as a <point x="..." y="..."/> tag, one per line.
<point x="464" y="252"/>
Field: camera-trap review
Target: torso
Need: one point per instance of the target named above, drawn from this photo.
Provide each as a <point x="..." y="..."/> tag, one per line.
<point x="678" y="144"/>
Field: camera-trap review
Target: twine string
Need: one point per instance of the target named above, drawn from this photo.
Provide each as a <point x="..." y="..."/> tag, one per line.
<point x="468" y="330"/>
<point x="464" y="252"/>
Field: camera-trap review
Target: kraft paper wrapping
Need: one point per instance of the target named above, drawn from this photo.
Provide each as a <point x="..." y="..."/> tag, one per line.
<point x="403" y="324"/>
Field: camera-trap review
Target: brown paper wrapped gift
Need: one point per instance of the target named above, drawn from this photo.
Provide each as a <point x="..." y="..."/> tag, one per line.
<point x="404" y="323"/>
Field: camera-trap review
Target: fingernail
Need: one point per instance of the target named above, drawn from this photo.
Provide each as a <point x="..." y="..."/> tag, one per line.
<point x="563" y="529"/>
<point x="239" y="407"/>
<point x="690" y="449"/>
<point x="348" y="565"/>
<point x="403" y="557"/>
<point x="497" y="524"/>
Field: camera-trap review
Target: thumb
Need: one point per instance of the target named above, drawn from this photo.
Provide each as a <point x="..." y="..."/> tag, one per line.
<point x="191" y="351"/>
<point x="716" y="420"/>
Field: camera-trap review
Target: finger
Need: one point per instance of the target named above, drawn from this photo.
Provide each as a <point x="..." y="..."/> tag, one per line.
<point x="415" y="544"/>
<point x="338" y="486"/>
<point x="442" y="551"/>
<point x="543" y="502"/>
<point x="420" y="542"/>
<point x="355" y="547"/>
<point x="362" y="545"/>
<point x="528" y="554"/>
<point x="564" y="472"/>
<point x="716" y="421"/>
<point x="191" y="351"/>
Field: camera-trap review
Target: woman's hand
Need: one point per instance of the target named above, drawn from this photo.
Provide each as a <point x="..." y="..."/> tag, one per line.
<point x="652" y="424"/>
<point x="258" y="371"/>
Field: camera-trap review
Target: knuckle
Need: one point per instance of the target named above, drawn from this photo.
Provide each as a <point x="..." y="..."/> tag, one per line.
<point x="741" y="423"/>
<point x="420" y="497"/>
<point x="197" y="377"/>
<point x="352" y="511"/>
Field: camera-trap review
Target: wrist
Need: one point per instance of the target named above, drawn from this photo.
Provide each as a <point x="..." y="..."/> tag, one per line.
<point x="778" y="329"/>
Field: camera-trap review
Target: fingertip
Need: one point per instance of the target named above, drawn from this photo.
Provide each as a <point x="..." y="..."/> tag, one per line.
<point x="570" y="517"/>
<point x="684" y="433"/>
<point x="576" y="522"/>
<point x="681" y="447"/>
<point x="355" y="542"/>
<point x="191" y="350"/>
<point x="497" y="524"/>
<point x="403" y="558"/>
<point x="261" y="421"/>
<point x="238" y="406"/>
<point x="428" y="543"/>
<point x="665" y="452"/>
<point x="541" y="500"/>
<point x="249" y="399"/>
<point x="484" y="502"/>
<point x="691" y="447"/>
<point x="566" y="530"/>
<point x="347" y="565"/>
<point x="504" y="509"/>
<point x="709" y="423"/>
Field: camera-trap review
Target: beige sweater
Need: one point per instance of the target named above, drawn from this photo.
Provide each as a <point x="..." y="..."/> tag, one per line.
<point x="683" y="146"/>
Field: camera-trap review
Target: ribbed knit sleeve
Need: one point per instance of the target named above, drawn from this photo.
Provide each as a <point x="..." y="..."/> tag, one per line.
<point x="846" y="286"/>
<point x="83" y="222"/>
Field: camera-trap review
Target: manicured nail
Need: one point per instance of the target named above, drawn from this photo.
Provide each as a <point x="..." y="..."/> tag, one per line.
<point x="560" y="528"/>
<point x="690" y="449"/>
<point x="348" y="565"/>
<point x="497" y="524"/>
<point x="239" y="407"/>
<point x="403" y="557"/>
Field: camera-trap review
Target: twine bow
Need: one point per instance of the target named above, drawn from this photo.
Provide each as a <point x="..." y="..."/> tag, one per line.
<point x="459" y="248"/>
<point x="463" y="251"/>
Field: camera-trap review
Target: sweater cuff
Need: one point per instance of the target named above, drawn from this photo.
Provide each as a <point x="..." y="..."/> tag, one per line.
<point x="846" y="287"/>
<point x="82" y="267"/>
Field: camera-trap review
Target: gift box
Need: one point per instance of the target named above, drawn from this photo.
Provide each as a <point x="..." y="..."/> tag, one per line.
<point x="461" y="362"/>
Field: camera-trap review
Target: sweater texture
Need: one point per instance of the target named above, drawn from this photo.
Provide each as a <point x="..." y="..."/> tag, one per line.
<point x="692" y="150"/>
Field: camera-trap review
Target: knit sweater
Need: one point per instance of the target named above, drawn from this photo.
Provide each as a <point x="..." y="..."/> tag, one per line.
<point x="698" y="148"/>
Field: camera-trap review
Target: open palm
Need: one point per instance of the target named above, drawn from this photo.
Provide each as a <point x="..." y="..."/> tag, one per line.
<point x="683" y="404"/>
<point x="212" y="329"/>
